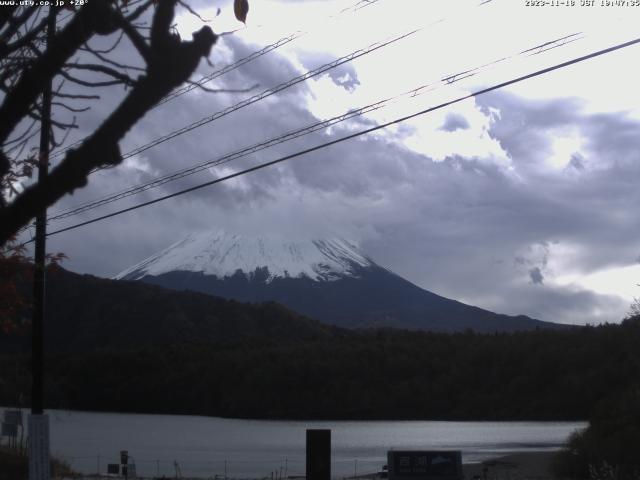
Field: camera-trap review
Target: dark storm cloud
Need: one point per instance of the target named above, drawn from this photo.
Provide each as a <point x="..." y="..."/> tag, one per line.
<point x="267" y="71"/>
<point x="454" y="122"/>
<point x="121" y="241"/>
<point x="222" y="137"/>
<point x="471" y="209"/>
<point x="592" y="206"/>
<point x="621" y="148"/>
<point x="524" y="126"/>
<point x="577" y="162"/>
<point x="580" y="306"/>
<point x="536" y="276"/>
<point x="464" y="227"/>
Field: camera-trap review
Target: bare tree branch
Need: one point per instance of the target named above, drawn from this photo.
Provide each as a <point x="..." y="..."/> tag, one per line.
<point x="70" y="108"/>
<point x="64" y="137"/>
<point x="7" y="48"/>
<point x="32" y="124"/>
<point x="170" y="62"/>
<point x="5" y="15"/>
<point x="108" y="61"/>
<point x="14" y="23"/>
<point x="192" y="11"/>
<point x="132" y="17"/>
<point x="112" y="47"/>
<point x="56" y="123"/>
<point x="88" y="83"/>
<point x="92" y="18"/>
<point x="77" y="96"/>
<point x="123" y="78"/>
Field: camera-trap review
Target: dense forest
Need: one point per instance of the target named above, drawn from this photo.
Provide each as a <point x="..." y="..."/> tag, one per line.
<point x="609" y="448"/>
<point x="368" y="374"/>
<point x="87" y="313"/>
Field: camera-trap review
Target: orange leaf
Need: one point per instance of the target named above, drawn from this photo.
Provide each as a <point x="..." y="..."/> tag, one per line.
<point x="241" y="9"/>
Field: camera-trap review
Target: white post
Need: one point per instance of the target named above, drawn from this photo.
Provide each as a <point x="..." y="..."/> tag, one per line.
<point x="39" y="467"/>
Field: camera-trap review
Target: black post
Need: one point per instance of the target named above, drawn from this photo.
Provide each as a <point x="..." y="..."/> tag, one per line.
<point x="318" y="454"/>
<point x="37" y="339"/>
<point x="39" y="457"/>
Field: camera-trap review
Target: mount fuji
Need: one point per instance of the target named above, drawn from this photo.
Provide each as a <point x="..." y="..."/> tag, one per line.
<point x="330" y="280"/>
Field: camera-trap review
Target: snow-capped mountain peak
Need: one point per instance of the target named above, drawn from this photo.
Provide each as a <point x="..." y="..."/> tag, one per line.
<point x="222" y="254"/>
<point x="328" y="280"/>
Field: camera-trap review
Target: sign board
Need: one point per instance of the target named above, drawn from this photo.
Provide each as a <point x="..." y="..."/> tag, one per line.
<point x="9" y="430"/>
<point x="13" y="417"/>
<point x="39" y="466"/>
<point x="113" y="469"/>
<point x="425" y="464"/>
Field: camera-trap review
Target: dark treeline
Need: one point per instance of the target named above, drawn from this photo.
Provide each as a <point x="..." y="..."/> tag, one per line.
<point x="610" y="446"/>
<point x="384" y="374"/>
<point x="87" y="313"/>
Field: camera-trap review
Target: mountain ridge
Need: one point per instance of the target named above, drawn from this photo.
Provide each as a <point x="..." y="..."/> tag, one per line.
<point x="328" y="280"/>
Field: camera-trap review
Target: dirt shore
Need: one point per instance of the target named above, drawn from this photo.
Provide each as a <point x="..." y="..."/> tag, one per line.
<point x="514" y="466"/>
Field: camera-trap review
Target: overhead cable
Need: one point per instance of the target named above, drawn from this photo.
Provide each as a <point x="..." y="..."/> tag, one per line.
<point x="351" y="136"/>
<point x="232" y="66"/>
<point x="427" y="87"/>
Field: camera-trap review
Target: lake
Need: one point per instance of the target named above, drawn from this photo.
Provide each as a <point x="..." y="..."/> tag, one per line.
<point x="206" y="446"/>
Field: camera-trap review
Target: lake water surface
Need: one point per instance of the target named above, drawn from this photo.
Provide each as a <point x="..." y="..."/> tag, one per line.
<point x="205" y="446"/>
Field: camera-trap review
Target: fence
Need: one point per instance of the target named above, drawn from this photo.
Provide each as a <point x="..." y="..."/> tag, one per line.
<point x="222" y="469"/>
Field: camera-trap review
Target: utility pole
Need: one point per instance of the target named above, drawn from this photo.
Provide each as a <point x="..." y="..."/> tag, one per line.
<point x="39" y="457"/>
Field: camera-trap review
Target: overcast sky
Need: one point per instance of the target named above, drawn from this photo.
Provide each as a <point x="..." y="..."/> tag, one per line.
<point x="521" y="201"/>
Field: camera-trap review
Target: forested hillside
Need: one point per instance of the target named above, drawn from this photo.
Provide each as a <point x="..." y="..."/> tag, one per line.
<point x="375" y="374"/>
<point x="87" y="313"/>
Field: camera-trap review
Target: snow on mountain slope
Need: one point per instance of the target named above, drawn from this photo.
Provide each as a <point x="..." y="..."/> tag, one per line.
<point x="221" y="254"/>
<point x="328" y="280"/>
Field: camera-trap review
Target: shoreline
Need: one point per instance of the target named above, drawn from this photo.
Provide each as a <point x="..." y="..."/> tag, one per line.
<point x="517" y="465"/>
<point x="513" y="465"/>
<point x="550" y="420"/>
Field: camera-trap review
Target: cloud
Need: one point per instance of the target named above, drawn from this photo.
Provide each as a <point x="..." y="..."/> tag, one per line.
<point x="568" y="304"/>
<point x="454" y="122"/>
<point x="345" y="75"/>
<point x="464" y="202"/>
<point x="536" y="276"/>
<point x="577" y="162"/>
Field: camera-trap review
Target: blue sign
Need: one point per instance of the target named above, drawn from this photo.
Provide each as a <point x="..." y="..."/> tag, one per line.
<point x="425" y="464"/>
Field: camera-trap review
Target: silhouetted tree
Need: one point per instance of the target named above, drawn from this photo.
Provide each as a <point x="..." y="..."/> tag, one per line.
<point x="27" y="63"/>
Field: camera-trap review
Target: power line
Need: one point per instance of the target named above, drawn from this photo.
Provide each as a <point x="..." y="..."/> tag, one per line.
<point x="219" y="161"/>
<point x="233" y="66"/>
<point x="309" y="74"/>
<point x="353" y="135"/>
<point x="266" y="93"/>
<point x="283" y="41"/>
<point x="447" y="80"/>
<point x="269" y="92"/>
<point x="218" y="73"/>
